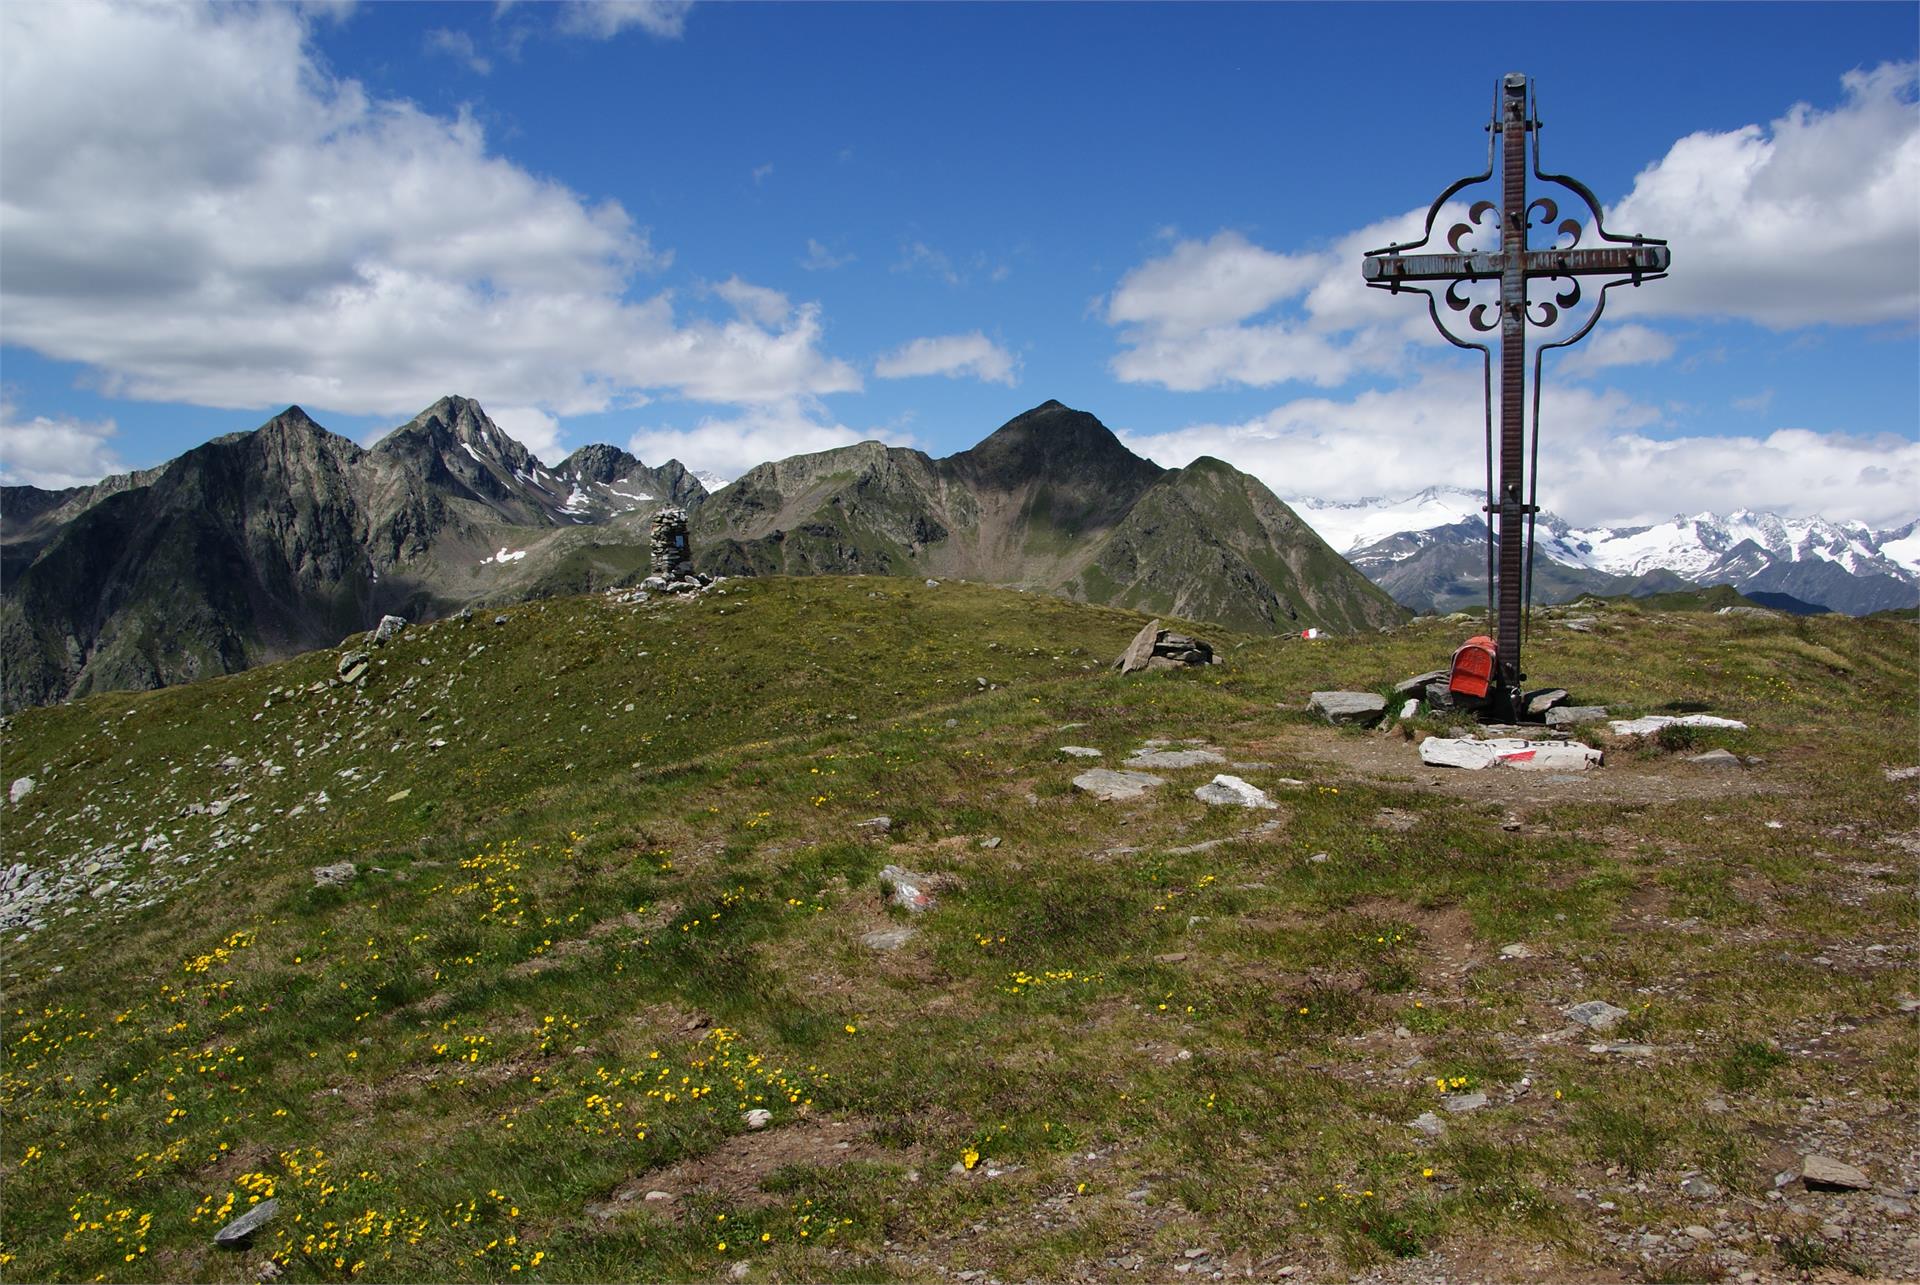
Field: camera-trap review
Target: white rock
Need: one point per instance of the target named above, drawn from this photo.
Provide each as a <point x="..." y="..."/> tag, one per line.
<point x="1553" y="757"/>
<point x="1409" y="709"/>
<point x="1654" y="722"/>
<point x="1596" y="1013"/>
<point x="22" y="787"/>
<point x="758" y="1118"/>
<point x="1224" y="789"/>
<point x="1080" y="751"/>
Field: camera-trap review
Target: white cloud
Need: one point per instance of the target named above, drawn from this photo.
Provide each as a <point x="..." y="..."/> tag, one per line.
<point x="951" y="355"/>
<point x="918" y="256"/>
<point x="54" y="453"/>
<point x="1815" y="218"/>
<point x="756" y="303"/>
<point x="1210" y="283"/>
<point x="761" y="173"/>
<point x="533" y="428"/>
<point x="1604" y="459"/>
<point x="1630" y="344"/>
<point x="241" y="229"/>
<point x="821" y="259"/>
<point x="605" y="19"/>
<point x="731" y="445"/>
<point x="459" y="46"/>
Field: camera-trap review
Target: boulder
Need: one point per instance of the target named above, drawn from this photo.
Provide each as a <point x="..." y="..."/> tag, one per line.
<point x="1157" y="648"/>
<point x="1553" y="757"/>
<point x="1362" y="709"/>
<point x="336" y="875"/>
<point x="1462" y="752"/>
<point x="1110" y="786"/>
<point x="1080" y="751"/>
<point x="1418" y="683"/>
<point x="388" y="629"/>
<point x="1574" y="715"/>
<point x="1225" y="789"/>
<point x="21" y="788"/>
<point x="910" y="889"/>
<point x="353" y="665"/>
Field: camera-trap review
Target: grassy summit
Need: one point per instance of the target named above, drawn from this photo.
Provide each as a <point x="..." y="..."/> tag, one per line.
<point x="624" y="904"/>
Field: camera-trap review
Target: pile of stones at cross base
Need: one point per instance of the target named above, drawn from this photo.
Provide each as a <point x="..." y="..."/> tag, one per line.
<point x="1545" y="742"/>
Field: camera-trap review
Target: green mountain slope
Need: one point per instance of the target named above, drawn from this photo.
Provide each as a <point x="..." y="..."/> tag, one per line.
<point x="616" y="886"/>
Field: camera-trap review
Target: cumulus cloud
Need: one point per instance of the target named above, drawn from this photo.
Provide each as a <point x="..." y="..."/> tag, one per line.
<point x="761" y="304"/>
<point x="242" y="229"/>
<point x="955" y="356"/>
<point x="54" y="453"/>
<point x="1630" y="344"/>
<point x="605" y="19"/>
<point x="533" y="428"/>
<point x="1813" y="218"/>
<point x="1606" y="459"/>
<point x="730" y="445"/>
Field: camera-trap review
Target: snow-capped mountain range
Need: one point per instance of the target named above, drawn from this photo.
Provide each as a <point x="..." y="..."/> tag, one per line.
<point x="1843" y="566"/>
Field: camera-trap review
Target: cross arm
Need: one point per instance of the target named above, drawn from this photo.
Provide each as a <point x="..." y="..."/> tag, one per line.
<point x="1539" y="263"/>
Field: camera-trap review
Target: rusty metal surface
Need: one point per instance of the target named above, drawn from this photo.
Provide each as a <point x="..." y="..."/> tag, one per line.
<point x="1628" y="260"/>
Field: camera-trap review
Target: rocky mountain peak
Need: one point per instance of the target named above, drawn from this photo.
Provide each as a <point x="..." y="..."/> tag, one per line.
<point x="598" y="463"/>
<point x="1052" y="440"/>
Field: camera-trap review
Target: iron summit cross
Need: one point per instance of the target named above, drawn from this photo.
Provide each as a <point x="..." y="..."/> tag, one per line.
<point x="1629" y="259"/>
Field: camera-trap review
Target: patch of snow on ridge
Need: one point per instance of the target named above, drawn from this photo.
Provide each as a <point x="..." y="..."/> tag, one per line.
<point x="1346" y="527"/>
<point x="505" y="556"/>
<point x="468" y="448"/>
<point x="630" y="495"/>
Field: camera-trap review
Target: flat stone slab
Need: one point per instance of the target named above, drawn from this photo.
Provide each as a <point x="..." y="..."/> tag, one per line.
<point x="1362" y="708"/>
<point x="1224" y="789"/>
<point x="1110" y="786"/>
<point x="1458" y="1102"/>
<point x="1654" y="722"/>
<point x="1428" y="1123"/>
<point x="241" y="1229"/>
<point x="1507" y="751"/>
<point x="1174" y="758"/>
<point x="336" y="875"/>
<point x="887" y="939"/>
<point x="1419" y="681"/>
<point x="1574" y="715"/>
<point x="1080" y="751"/>
<point x="1824" y="1173"/>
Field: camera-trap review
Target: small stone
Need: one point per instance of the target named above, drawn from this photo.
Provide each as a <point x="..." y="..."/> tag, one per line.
<point x="887" y="939"/>
<point x="1574" y="715"/>
<point x="1715" y="758"/>
<point x="238" y="1232"/>
<point x="1902" y="773"/>
<point x="334" y="876"/>
<point x="1458" y="1102"/>
<point x="758" y="1118"/>
<point x="876" y="825"/>
<point x="1319" y="858"/>
<point x="1408" y="710"/>
<point x="21" y="788"/>
<point x="1596" y="1014"/>
<point x="1516" y="950"/>
<point x="909" y="889"/>
<point x="1697" y="1232"/>
<point x="1428" y="1123"/>
<point x="1080" y="751"/>
<point x="1698" y="1187"/>
<point x="1539" y="703"/>
<point x="1111" y="786"/>
<point x="500" y="620"/>
<point x="1824" y="1173"/>
<point x="398" y="795"/>
<point x="1361" y="709"/>
<point x="353" y="665"/>
<point x="1231" y="790"/>
<point x="739" y="1271"/>
<point x="657" y="1197"/>
<point x="933" y="584"/>
<point x="991" y="842"/>
<point x="388" y="629"/>
<point x="1419" y="681"/>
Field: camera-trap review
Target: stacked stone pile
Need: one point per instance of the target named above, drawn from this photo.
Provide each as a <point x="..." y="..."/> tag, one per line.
<point x="672" y="555"/>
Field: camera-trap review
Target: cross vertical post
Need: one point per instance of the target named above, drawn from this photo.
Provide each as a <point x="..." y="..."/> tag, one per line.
<point x="1494" y="682"/>
<point x="1513" y="126"/>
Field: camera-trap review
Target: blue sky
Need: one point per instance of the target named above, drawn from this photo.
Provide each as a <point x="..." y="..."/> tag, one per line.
<point x="729" y="232"/>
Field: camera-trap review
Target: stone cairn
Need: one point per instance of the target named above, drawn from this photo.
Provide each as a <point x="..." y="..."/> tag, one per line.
<point x="672" y="556"/>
